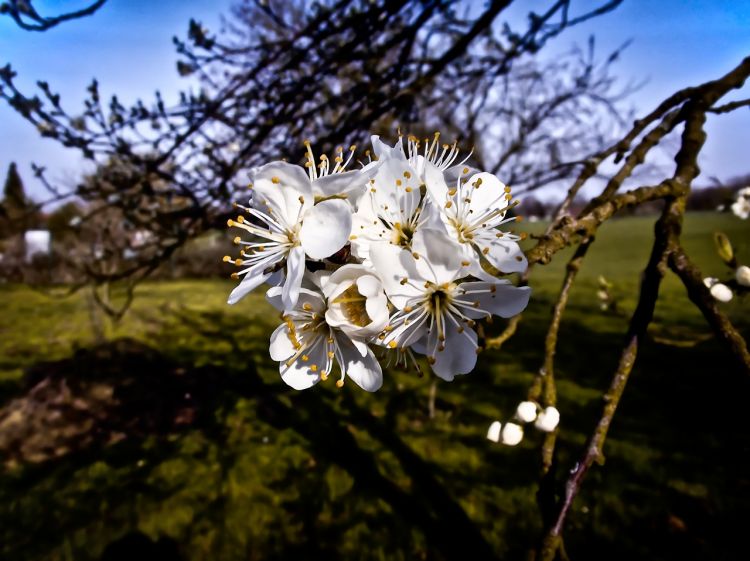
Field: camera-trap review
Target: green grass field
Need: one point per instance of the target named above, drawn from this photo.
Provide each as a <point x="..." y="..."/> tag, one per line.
<point x="179" y="428"/>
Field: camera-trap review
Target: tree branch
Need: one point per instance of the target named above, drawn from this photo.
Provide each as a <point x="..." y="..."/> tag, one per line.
<point x="20" y="9"/>
<point x="692" y="278"/>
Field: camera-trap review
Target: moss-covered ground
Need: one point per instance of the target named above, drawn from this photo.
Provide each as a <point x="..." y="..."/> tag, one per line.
<point x="178" y="435"/>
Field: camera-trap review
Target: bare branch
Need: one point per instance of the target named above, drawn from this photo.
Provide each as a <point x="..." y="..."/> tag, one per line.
<point x="26" y="16"/>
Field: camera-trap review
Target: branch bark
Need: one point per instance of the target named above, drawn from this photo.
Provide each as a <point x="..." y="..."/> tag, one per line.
<point x="692" y="278"/>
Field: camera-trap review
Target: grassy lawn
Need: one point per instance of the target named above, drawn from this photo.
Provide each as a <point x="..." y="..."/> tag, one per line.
<point x="180" y="429"/>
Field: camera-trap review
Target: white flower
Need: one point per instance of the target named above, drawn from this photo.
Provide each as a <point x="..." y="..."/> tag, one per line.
<point x="432" y="153"/>
<point x="493" y="433"/>
<point x="548" y="419"/>
<point x="708" y="282"/>
<point x="512" y="434"/>
<point x="721" y="292"/>
<point x="357" y="304"/>
<point x="742" y="274"/>
<point x="472" y="210"/>
<point x="526" y="411"/>
<point x="292" y="228"/>
<point x="435" y="313"/>
<point x="332" y="180"/>
<point x="741" y="206"/>
<point x="306" y="346"/>
<point x="392" y="209"/>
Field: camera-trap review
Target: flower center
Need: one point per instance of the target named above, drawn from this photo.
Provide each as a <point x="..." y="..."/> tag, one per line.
<point x="402" y="234"/>
<point x="353" y="306"/>
<point x="439" y="297"/>
<point x="463" y="230"/>
<point x="292" y="235"/>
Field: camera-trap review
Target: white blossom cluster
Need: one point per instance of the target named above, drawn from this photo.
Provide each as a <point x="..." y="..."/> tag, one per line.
<point x="398" y="257"/>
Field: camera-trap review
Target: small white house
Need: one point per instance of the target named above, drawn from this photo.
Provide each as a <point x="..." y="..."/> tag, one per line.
<point x="37" y="242"/>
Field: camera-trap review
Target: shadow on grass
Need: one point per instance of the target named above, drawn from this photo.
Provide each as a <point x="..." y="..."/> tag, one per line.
<point x="200" y="443"/>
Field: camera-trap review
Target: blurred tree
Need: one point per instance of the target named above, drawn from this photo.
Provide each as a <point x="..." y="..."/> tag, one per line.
<point x="63" y="220"/>
<point x="332" y="72"/>
<point x="16" y="211"/>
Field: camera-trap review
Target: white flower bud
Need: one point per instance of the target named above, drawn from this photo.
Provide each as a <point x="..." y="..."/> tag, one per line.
<point x="512" y="434"/>
<point x="526" y="411"/>
<point x="721" y="292"/>
<point x="743" y="275"/>
<point x="548" y="419"/>
<point x="741" y="206"/>
<point x="710" y="281"/>
<point x="493" y="433"/>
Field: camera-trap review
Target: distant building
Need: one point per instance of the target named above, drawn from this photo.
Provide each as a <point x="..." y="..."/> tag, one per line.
<point x="37" y="242"/>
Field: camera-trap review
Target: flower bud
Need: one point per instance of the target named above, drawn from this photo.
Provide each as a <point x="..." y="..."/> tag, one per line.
<point x="512" y="434"/>
<point x="741" y="206"/>
<point x="743" y="275"/>
<point x="548" y="419"/>
<point x="493" y="433"/>
<point x="721" y="292"/>
<point x="526" y="411"/>
<point x="708" y="282"/>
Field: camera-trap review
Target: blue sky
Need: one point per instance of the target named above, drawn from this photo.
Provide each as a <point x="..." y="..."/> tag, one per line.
<point x="127" y="46"/>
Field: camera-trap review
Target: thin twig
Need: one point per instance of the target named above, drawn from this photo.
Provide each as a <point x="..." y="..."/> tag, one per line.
<point x="593" y="452"/>
<point x="507" y="333"/>
<point x="692" y="278"/>
<point x="666" y="232"/>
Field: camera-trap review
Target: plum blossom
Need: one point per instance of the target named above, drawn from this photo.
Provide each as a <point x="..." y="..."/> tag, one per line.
<point x="392" y="209"/>
<point x="420" y="154"/>
<point x="435" y="313"/>
<point x="473" y="209"/>
<point x="293" y="226"/>
<point x="401" y="256"/>
<point x="357" y="304"/>
<point x="307" y="345"/>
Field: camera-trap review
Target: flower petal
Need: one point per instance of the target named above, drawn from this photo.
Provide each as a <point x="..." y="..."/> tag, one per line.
<point x="459" y="355"/>
<point x="452" y="174"/>
<point x="252" y="280"/>
<point x="349" y="184"/>
<point x="394" y="264"/>
<point x="326" y="228"/>
<point x="295" y="269"/>
<point x="300" y="375"/>
<point x="397" y="194"/>
<point x="281" y="347"/>
<point x="367" y="228"/>
<point x="437" y="186"/>
<point x="364" y="370"/>
<point x="382" y="150"/>
<point x="284" y="189"/>
<point x="498" y="298"/>
<point x="440" y="256"/>
<point x="485" y="192"/>
<point x="504" y="255"/>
